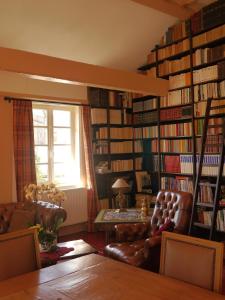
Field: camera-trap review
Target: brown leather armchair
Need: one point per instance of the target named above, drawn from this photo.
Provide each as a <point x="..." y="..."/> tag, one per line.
<point x="137" y="245"/>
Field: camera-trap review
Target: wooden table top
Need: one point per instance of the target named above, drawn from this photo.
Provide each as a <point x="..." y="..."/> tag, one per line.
<point x="96" y="277"/>
<point x="80" y="248"/>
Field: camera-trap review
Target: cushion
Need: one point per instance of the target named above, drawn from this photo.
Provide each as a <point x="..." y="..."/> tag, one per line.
<point x="21" y="219"/>
<point x="168" y="226"/>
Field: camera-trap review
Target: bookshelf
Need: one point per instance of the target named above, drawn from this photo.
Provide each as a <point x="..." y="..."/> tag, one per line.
<point x="192" y="57"/>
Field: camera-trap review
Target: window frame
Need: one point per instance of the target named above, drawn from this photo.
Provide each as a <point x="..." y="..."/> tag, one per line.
<point x="75" y="140"/>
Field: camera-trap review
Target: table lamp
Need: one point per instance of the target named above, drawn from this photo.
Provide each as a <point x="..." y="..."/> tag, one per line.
<point x="121" y="186"/>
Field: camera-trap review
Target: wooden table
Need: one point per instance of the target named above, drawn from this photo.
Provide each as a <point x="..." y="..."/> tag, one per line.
<point x="81" y="248"/>
<point x="96" y="277"/>
<point x="107" y="224"/>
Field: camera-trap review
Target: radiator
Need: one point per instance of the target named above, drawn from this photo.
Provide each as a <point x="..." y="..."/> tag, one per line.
<point x="75" y="206"/>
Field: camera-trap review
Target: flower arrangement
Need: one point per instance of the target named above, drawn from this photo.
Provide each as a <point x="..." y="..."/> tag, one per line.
<point x="43" y="192"/>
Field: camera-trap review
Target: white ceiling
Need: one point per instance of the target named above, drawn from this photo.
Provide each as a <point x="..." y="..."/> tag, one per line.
<point x="111" y="33"/>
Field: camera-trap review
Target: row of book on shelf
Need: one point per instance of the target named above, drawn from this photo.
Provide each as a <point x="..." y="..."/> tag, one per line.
<point x="184" y="45"/>
<point x="104" y="98"/>
<point x="114" y="133"/>
<point x="145" y="105"/>
<point x="200" y="56"/>
<point x="205" y="217"/>
<point x="99" y="116"/>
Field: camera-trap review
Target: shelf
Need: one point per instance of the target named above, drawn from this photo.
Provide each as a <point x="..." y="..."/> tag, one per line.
<point x="111" y="140"/>
<point x="114" y="173"/>
<point x="143" y="98"/>
<point x="176" y="106"/>
<point x="169" y="44"/>
<point x="175" y="137"/>
<point x="201" y="225"/>
<point x="144" y="111"/>
<point x="183" y="120"/>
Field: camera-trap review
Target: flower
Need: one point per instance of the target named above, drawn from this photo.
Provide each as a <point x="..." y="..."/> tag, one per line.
<point x="50" y="192"/>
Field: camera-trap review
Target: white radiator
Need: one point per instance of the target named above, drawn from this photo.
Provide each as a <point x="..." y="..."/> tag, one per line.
<point x="75" y="206"/>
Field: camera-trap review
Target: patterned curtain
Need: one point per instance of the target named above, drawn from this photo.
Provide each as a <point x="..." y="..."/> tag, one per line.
<point x="92" y="197"/>
<point x="23" y="137"/>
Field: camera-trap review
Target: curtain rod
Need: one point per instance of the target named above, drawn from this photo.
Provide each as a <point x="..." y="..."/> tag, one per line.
<point x="9" y="99"/>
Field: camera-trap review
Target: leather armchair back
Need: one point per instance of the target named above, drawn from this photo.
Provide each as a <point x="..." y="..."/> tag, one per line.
<point x="173" y="206"/>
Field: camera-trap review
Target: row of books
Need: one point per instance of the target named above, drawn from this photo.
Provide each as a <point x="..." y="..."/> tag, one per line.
<point x="175" y="32"/>
<point x="222" y="88"/>
<point x="138" y="163"/>
<point x="182" y="96"/>
<point x="145" y="105"/>
<point x="147" y="117"/>
<point x="127" y="118"/>
<point x="150" y="132"/>
<point x="175" y="113"/>
<point x="205" y="194"/>
<point x="101" y="133"/>
<point x="200" y="107"/>
<point x="209" y="168"/>
<point x="104" y="98"/>
<point x="206" y="74"/>
<point x="173" y="130"/>
<point x="205" y="217"/>
<point x="177" y="146"/>
<point x="100" y="147"/>
<point x="122" y="165"/>
<point x="209" y="16"/>
<point x="206" y="55"/>
<point x="208" y="90"/>
<point x="179" y="81"/>
<point x="138" y="146"/>
<point x="172" y="66"/>
<point x="173" y="49"/>
<point x="213" y="144"/>
<point x="121" y="147"/>
<point x="177" y="183"/>
<point x="209" y="36"/>
<point x="213" y="121"/>
<point x="121" y="133"/>
<point x="98" y="116"/>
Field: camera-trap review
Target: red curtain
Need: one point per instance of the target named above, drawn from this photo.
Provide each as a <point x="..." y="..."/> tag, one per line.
<point x="23" y="137"/>
<point x="92" y="197"/>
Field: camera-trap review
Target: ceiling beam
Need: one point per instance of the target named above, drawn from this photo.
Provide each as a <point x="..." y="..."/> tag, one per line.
<point x="168" y="8"/>
<point x="51" y="68"/>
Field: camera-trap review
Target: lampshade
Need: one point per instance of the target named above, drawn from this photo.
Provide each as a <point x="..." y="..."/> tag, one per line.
<point x="120" y="183"/>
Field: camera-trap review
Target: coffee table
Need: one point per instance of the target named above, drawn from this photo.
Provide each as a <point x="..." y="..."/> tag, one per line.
<point x="81" y="248"/>
<point x="108" y="218"/>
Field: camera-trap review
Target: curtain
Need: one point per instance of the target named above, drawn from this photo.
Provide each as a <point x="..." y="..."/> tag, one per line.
<point x="93" y="204"/>
<point x="23" y="138"/>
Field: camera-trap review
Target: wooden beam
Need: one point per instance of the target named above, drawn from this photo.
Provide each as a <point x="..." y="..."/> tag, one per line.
<point x="80" y="73"/>
<point x="169" y="8"/>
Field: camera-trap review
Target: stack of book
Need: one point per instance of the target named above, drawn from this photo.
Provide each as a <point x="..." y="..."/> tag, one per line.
<point x="204" y="91"/>
<point x="206" y="55"/>
<point x="98" y="116"/>
<point x="177" y="183"/>
<point x="121" y="147"/>
<point x="209" y="36"/>
<point x="122" y="165"/>
<point x="206" y="74"/>
<point x="205" y="193"/>
<point x="115" y="116"/>
<point x="173" y="49"/>
<point x="214" y="121"/>
<point x="175" y="130"/>
<point x="138" y="146"/>
<point x="150" y="132"/>
<point x="145" y="105"/>
<point x="175" y="113"/>
<point x="121" y="133"/>
<point x="182" y="96"/>
<point x="98" y="97"/>
<point x="100" y="147"/>
<point x="137" y="133"/>
<point x="172" y="66"/>
<point x="101" y="133"/>
<point x="175" y="32"/>
<point x="147" y="117"/>
<point x="200" y="107"/>
<point x="171" y="163"/>
<point x="212" y="144"/>
<point x="179" y="81"/>
<point x="179" y="146"/>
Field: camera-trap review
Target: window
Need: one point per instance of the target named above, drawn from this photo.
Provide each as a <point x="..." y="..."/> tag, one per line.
<point x="57" y="144"/>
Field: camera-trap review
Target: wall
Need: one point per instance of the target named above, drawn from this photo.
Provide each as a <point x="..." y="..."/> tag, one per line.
<point x="6" y="152"/>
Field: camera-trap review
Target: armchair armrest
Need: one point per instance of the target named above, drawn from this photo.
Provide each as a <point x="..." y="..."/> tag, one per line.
<point x="150" y="243"/>
<point x="131" y="232"/>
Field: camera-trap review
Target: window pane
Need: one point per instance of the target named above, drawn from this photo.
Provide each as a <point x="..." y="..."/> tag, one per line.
<point x="61" y="118"/>
<point x="62" y="154"/>
<point x="64" y="174"/>
<point x="40" y="117"/>
<point x="42" y="173"/>
<point x="40" y="136"/>
<point x="62" y="136"/>
<point x="41" y="154"/>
